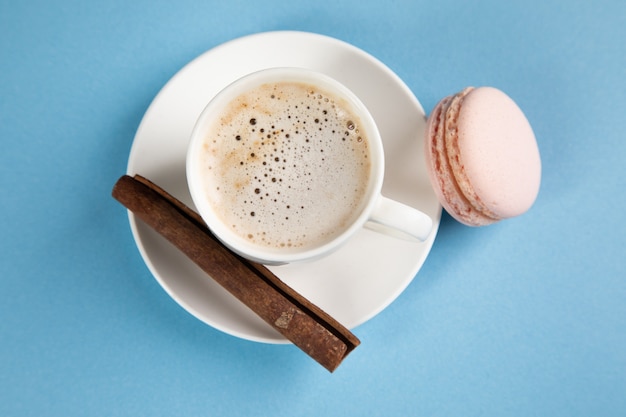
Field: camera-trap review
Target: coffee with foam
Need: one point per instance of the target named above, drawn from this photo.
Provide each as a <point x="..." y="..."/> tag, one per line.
<point x="286" y="165"/>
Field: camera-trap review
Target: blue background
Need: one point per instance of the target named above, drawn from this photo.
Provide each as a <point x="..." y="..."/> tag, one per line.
<point x="523" y="318"/>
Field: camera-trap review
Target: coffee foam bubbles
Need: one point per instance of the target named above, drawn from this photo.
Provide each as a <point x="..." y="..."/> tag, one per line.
<point x="286" y="165"/>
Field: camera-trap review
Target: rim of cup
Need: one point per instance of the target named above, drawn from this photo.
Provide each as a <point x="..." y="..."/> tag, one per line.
<point x="223" y="232"/>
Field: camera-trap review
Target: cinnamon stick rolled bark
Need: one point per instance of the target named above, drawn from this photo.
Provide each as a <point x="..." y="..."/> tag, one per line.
<point x="296" y="318"/>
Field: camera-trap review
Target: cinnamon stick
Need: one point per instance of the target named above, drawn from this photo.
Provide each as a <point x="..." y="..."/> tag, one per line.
<point x="300" y="321"/>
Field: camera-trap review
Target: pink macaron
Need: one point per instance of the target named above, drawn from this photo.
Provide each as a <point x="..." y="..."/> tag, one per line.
<point x="482" y="156"/>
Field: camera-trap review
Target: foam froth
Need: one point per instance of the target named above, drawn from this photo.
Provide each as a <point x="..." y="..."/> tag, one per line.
<point x="286" y="165"/>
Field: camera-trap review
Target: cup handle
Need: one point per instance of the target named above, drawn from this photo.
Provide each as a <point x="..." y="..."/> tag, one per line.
<point x="399" y="220"/>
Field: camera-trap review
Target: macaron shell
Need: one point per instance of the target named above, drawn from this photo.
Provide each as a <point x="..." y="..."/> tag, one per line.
<point x="454" y="155"/>
<point x="441" y="176"/>
<point x="498" y="166"/>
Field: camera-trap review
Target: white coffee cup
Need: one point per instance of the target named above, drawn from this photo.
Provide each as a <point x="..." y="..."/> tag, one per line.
<point x="242" y="148"/>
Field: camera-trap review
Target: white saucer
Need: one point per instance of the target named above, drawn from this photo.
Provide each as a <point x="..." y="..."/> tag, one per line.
<point x="371" y="270"/>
